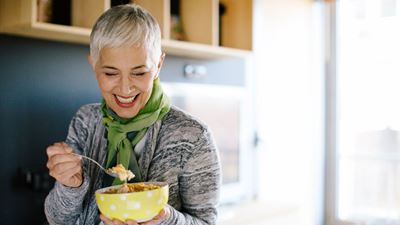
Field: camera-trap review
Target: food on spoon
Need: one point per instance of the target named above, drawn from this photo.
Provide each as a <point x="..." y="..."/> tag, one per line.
<point x="123" y="174"/>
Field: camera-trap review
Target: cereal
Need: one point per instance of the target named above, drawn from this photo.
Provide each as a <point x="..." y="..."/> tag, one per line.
<point x="128" y="188"/>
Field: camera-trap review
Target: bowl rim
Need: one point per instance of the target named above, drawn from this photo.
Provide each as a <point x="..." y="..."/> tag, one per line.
<point x="159" y="183"/>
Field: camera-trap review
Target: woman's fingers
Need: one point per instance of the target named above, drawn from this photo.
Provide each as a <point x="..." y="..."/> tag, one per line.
<point x="132" y="222"/>
<point x="74" y="180"/>
<point x="64" y="166"/>
<point x="62" y="161"/>
<point x="106" y="220"/>
<point x="71" y="177"/>
<point x="67" y="147"/>
<point x="162" y="215"/>
<point x="117" y="222"/>
<point x="64" y="169"/>
<point x="71" y="169"/>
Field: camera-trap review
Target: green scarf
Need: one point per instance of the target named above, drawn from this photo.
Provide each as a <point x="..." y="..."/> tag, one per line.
<point x="118" y="143"/>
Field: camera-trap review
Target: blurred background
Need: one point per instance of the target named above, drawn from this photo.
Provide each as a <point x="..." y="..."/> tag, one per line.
<point x="303" y="94"/>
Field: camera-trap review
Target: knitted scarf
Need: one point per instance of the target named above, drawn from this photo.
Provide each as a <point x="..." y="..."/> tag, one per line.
<point x="118" y="128"/>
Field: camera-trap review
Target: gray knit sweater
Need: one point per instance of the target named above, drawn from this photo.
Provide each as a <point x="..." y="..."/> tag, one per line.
<point x="178" y="150"/>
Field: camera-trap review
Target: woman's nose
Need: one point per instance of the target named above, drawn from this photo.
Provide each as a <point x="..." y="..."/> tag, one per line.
<point x="126" y="86"/>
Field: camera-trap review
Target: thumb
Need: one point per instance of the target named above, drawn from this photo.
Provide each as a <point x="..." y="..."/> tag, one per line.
<point x="69" y="150"/>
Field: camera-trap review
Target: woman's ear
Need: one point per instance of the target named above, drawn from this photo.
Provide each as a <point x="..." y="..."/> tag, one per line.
<point x="90" y="60"/>
<point x="160" y="63"/>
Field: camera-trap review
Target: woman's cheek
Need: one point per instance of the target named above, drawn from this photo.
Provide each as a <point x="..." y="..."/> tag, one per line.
<point x="106" y="84"/>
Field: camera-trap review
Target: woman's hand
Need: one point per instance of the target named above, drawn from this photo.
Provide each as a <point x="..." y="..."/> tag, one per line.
<point x="164" y="214"/>
<point x="65" y="167"/>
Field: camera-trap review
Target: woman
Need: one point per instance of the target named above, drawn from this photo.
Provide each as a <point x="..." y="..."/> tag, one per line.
<point x="134" y="125"/>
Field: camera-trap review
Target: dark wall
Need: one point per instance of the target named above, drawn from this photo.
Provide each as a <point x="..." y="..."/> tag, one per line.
<point x="42" y="84"/>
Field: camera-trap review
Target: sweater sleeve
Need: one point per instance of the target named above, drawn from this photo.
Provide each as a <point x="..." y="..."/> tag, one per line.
<point x="63" y="205"/>
<point x="199" y="185"/>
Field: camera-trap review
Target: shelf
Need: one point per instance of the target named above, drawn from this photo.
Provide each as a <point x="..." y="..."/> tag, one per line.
<point x="49" y="31"/>
<point x="202" y="51"/>
<point x="81" y="36"/>
<point x="19" y="17"/>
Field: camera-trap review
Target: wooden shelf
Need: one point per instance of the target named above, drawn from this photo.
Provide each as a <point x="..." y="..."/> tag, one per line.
<point x="19" y="17"/>
<point x="202" y="51"/>
<point x="49" y="31"/>
<point x="81" y="36"/>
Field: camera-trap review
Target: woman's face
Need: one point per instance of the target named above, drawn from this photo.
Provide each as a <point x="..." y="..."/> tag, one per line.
<point x="125" y="76"/>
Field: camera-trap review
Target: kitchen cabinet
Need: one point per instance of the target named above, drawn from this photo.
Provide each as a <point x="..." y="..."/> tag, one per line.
<point x="211" y="28"/>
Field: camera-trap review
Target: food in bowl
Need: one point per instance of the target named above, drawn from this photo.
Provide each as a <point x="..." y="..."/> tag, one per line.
<point x="129" y="188"/>
<point x="123" y="174"/>
<point x="134" y="201"/>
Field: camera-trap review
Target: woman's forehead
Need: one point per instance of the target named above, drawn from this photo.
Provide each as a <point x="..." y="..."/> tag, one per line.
<point x="131" y="55"/>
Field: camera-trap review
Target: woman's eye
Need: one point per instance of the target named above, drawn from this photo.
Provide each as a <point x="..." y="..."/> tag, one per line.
<point x="110" y="74"/>
<point x="139" y="74"/>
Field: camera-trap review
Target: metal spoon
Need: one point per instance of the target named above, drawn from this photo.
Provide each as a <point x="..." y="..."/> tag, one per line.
<point x="95" y="162"/>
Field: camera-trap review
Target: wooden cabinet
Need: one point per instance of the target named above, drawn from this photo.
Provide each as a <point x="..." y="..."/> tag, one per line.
<point x="208" y="28"/>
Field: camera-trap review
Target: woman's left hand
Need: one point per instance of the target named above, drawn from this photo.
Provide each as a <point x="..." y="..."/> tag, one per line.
<point x="164" y="214"/>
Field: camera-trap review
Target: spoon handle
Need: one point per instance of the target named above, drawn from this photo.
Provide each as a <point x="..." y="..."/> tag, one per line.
<point x="95" y="162"/>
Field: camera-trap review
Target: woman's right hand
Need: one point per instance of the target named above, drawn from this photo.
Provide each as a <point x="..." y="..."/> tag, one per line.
<point x="65" y="167"/>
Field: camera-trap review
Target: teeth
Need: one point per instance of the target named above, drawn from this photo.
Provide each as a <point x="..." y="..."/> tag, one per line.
<point x="125" y="100"/>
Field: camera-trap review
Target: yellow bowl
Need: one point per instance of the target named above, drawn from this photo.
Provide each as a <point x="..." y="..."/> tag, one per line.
<point x="140" y="206"/>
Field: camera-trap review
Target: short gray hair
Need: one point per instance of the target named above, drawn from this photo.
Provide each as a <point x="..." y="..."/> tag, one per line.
<point x="126" y="25"/>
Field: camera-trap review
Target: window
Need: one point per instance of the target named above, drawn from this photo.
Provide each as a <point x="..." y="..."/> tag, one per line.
<point x="364" y="137"/>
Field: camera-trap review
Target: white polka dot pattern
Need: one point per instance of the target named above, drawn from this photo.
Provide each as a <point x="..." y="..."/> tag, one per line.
<point x="133" y="205"/>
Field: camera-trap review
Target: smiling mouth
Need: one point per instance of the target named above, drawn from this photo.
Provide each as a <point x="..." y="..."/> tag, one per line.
<point x="126" y="102"/>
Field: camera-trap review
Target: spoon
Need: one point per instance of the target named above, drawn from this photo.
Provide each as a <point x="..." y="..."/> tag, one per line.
<point x="95" y="162"/>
